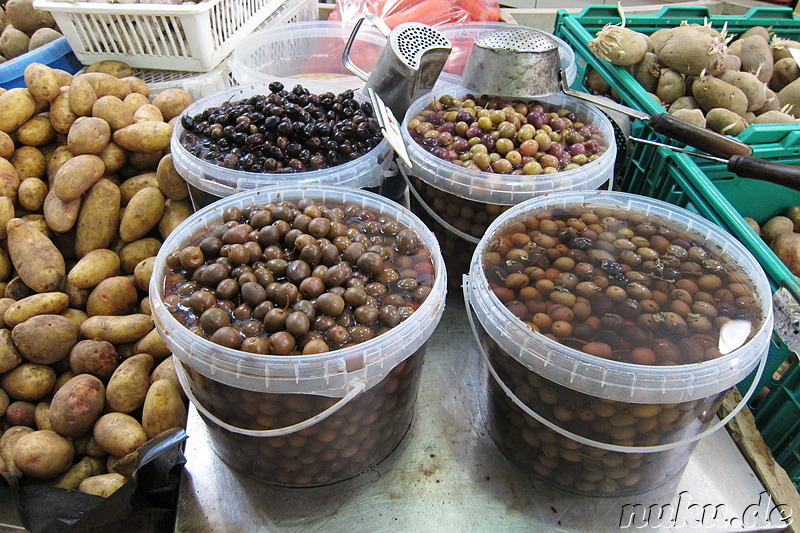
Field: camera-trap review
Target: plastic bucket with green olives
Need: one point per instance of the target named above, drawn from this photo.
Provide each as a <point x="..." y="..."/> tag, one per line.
<point x="459" y="203"/>
<point x="303" y="419"/>
<point x="209" y="182"/>
<point x="611" y="326"/>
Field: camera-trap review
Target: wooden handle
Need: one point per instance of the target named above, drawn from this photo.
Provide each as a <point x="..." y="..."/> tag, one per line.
<point x="709" y="141"/>
<point x="752" y="167"/>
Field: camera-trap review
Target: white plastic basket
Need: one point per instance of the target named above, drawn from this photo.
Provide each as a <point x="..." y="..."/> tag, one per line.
<point x="188" y="37"/>
<point x="200" y="84"/>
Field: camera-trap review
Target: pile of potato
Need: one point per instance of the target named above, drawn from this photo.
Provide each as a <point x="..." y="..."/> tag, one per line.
<point x="87" y="194"/>
<point x="24" y="28"/>
<point x="703" y="76"/>
<point x="782" y="234"/>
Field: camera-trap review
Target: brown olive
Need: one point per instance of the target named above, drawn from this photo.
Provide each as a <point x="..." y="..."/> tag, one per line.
<point x="297" y="323"/>
<point x="213" y="319"/>
<point x="227" y="336"/>
<point x="330" y="304"/>
<point x="281" y="343"/>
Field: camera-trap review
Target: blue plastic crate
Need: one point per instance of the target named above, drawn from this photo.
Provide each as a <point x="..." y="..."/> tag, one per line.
<point x="56" y="54"/>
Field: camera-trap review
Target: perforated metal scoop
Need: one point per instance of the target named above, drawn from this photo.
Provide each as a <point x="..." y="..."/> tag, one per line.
<point x="409" y="65"/>
<point x="516" y="62"/>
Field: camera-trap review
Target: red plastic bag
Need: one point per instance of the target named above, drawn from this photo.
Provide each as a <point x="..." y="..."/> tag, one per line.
<point x="430" y="12"/>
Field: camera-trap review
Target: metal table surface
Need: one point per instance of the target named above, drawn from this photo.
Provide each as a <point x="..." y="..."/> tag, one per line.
<point x="447" y="474"/>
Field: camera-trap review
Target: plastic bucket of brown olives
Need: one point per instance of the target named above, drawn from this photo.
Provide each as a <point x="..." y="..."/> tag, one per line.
<point x="458" y="200"/>
<point x="240" y="155"/>
<point x="612" y="325"/>
<point x="304" y="376"/>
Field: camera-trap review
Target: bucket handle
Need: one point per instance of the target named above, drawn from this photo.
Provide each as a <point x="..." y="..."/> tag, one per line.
<point x="357" y="389"/>
<point x="590" y="442"/>
<point x="428" y="209"/>
<point x="348" y="63"/>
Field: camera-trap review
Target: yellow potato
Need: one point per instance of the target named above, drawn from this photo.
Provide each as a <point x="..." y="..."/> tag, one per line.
<point x="119" y="434"/>
<point x="4" y="401"/>
<point x="118" y="69"/>
<point x="41" y="81"/>
<point x="128" y="386"/>
<point x="45" y="303"/>
<point x="98" y="219"/>
<point x="59" y="156"/>
<point x="61" y="115"/>
<point x="88" y="135"/>
<point x="145" y="307"/>
<point x="45" y="339"/>
<point x="81" y="97"/>
<point x="98" y="358"/>
<point x="41" y="416"/>
<point x="137" y="85"/>
<point x="93" y="268"/>
<point x="148" y="112"/>
<point x="6" y="268"/>
<point x="133" y="185"/>
<point x="135" y="100"/>
<point x="166" y="370"/>
<point x="60" y="215"/>
<point x="142" y="214"/>
<point x="62" y="77"/>
<point x="77" y="405"/>
<point x="29" y="162"/>
<point x="174" y="214"/>
<point x="142" y="273"/>
<point x="16" y="107"/>
<point x="152" y="344"/>
<point x="9" y="356"/>
<point x="7" y="442"/>
<point x="117" y="329"/>
<point x="37" y="221"/>
<point x="131" y="254"/>
<point x="9" y="185"/>
<point x="104" y="84"/>
<point x="76" y="316"/>
<point x="16" y="289"/>
<point x="103" y="485"/>
<point x="31" y="194"/>
<point x="172" y="102"/>
<point x="145" y="161"/>
<point x="29" y="382"/>
<point x="171" y="184"/>
<point x="83" y="469"/>
<point x="113" y="111"/>
<point x="77" y="297"/>
<point x="77" y="175"/>
<point x="6" y="214"/>
<point x="36" y="259"/>
<point x="6" y="145"/>
<point x="114" y="157"/>
<point x="43" y="454"/>
<point x="113" y="296"/>
<point x="163" y="409"/>
<point x="148" y="136"/>
<point x="38" y="131"/>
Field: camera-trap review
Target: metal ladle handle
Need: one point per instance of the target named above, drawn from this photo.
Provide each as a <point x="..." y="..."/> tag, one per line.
<point x="348" y="63"/>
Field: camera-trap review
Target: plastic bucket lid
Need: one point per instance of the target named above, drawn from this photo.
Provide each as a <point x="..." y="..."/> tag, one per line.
<point x="324" y="374"/>
<point x="366" y="171"/>
<point x="508" y="189"/>
<point x="462" y="34"/>
<point x="614" y="380"/>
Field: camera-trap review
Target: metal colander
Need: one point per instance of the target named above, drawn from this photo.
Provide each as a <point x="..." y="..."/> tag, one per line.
<point x="519" y="62"/>
<point x="412" y="40"/>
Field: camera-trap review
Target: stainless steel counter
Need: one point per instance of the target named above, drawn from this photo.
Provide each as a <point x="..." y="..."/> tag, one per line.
<point x="446" y="475"/>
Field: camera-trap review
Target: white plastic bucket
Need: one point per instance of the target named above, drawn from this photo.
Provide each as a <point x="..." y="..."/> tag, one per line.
<point x="459" y="203"/>
<point x="209" y="182"/>
<point x="599" y="426"/>
<point x="302" y="420"/>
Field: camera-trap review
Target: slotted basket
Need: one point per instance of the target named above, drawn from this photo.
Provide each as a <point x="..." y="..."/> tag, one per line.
<point x="191" y="37"/>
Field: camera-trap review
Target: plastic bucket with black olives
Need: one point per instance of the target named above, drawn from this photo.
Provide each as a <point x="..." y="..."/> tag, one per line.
<point x="612" y="325"/>
<point x="458" y="200"/>
<point x="239" y="164"/>
<point x="303" y="376"/>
